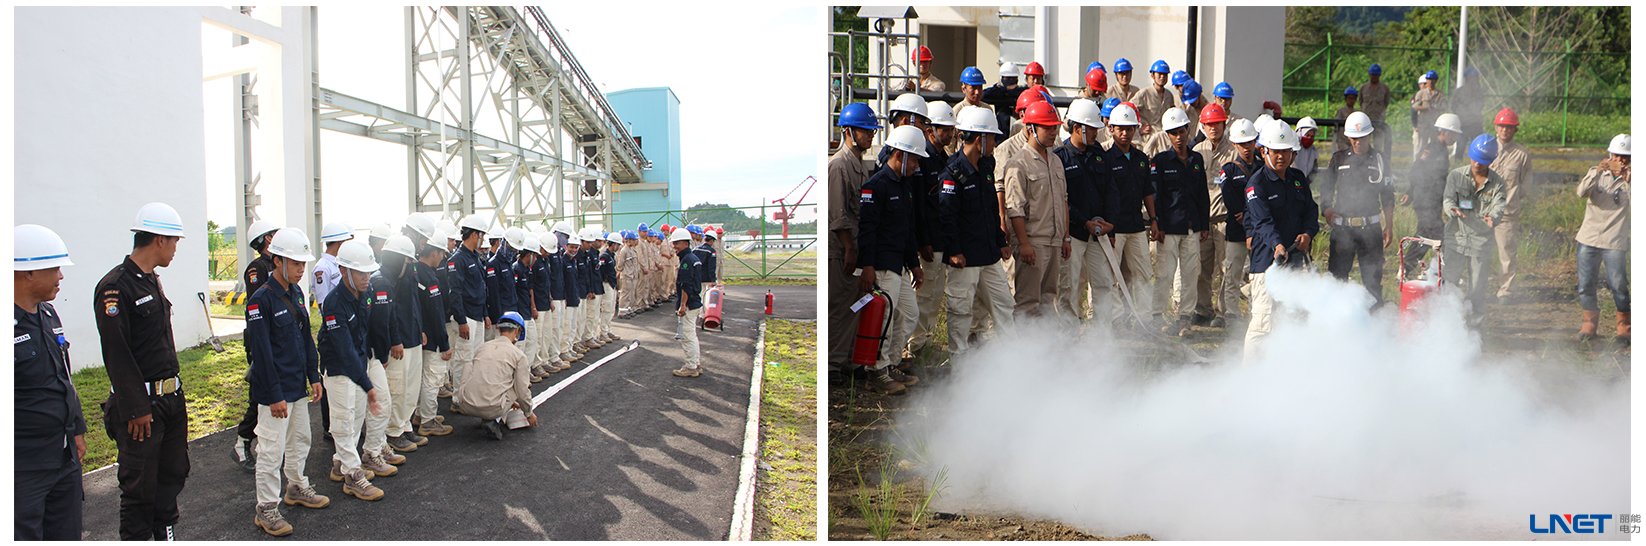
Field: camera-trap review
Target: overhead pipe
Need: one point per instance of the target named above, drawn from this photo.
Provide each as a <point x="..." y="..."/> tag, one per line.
<point x="1194" y="38"/>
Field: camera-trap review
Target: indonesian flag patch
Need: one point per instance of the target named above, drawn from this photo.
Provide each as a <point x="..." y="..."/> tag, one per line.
<point x="1251" y="193"/>
<point x="253" y="313"/>
<point x="948" y="187"/>
<point x="331" y="322"/>
<point x="382" y="297"/>
<point x="868" y="196"/>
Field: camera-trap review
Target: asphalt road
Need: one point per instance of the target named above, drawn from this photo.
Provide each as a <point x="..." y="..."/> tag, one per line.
<point x="627" y="452"/>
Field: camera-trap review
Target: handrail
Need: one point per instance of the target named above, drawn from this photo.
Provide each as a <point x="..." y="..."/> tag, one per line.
<point x="583" y="82"/>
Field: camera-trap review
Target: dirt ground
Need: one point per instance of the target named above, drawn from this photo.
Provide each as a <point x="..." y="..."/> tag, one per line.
<point x="1537" y="324"/>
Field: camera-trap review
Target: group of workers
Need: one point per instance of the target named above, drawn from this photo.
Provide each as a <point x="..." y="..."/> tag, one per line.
<point x="466" y="311"/>
<point x="1001" y="207"/>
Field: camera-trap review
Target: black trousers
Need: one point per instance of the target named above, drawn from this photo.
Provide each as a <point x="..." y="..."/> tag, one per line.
<point x="1358" y="243"/>
<point x="152" y="471"/>
<point x="50" y="502"/>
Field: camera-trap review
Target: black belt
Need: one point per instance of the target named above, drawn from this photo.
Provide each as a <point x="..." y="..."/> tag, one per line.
<point x="163" y="387"/>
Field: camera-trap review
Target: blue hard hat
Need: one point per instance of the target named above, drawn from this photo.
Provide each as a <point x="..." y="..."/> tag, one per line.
<point x="1191" y="92"/>
<point x="605" y="234"/>
<point x="1223" y="90"/>
<point x="1375" y="69"/>
<point x="972" y="76"/>
<point x="1484" y="149"/>
<point x="858" y="115"/>
<point x="1096" y="64"/>
<point x="1180" y="77"/>
<point x="1108" y="105"/>
<point x="657" y="234"/>
<point x="1122" y="65"/>
<point x="629" y="235"/>
<point x="1351" y="91"/>
<point x="1160" y="66"/>
<point x="641" y="227"/>
<point x="694" y="229"/>
<point x="514" y="317"/>
<point x="1431" y="75"/>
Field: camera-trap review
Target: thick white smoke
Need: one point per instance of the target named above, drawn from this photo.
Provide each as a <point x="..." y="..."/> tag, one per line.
<point x="1352" y="426"/>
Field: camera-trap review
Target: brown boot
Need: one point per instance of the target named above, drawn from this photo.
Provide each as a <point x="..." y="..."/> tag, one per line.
<point x="1622" y="327"/>
<point x="1591" y="322"/>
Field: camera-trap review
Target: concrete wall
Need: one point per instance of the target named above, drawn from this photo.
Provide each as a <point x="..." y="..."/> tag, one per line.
<point x="107" y="121"/>
<point x="653" y="115"/>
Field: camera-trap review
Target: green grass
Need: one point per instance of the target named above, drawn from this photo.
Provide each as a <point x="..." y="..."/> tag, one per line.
<point x="786" y="497"/>
<point x="214" y="384"/>
<point x="775" y="263"/>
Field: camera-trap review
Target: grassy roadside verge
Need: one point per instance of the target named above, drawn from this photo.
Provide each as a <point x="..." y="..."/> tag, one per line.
<point x="785" y="503"/>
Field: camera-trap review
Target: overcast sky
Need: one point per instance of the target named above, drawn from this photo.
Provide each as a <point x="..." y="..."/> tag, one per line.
<point x="738" y="146"/>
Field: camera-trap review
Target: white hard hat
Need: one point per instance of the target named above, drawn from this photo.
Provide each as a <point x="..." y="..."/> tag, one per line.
<point x="1357" y="125"/>
<point x="402" y="245"/>
<point x="421" y="223"/>
<point x="904" y="137"/>
<point x="563" y="227"/>
<point x="291" y="243"/>
<point x="475" y="222"/>
<point x="261" y="228"/>
<point x="516" y="237"/>
<point x="1306" y="123"/>
<point x="1010" y="70"/>
<point x="336" y="231"/>
<point x="1173" y="118"/>
<point x="617" y="238"/>
<point x="707" y="234"/>
<point x="1086" y="112"/>
<point x="978" y="120"/>
<point x="941" y="113"/>
<point x="37" y="247"/>
<point x="1262" y="122"/>
<point x="681" y="235"/>
<point x="450" y="229"/>
<point x="1278" y="136"/>
<point x="1242" y="131"/>
<point x="530" y="243"/>
<point x="440" y="237"/>
<point x="382" y="231"/>
<point x="1449" y="122"/>
<point x="550" y="244"/>
<point x="1620" y="144"/>
<point x="1123" y="116"/>
<point x="909" y="102"/>
<point x="159" y="219"/>
<point x="356" y="255"/>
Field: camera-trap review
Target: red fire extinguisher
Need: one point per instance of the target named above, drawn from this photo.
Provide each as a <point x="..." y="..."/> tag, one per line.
<point x="769" y="300"/>
<point x="711" y="314"/>
<point x="874" y="323"/>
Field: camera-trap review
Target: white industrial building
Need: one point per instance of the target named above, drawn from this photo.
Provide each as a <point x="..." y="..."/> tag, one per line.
<point x="491" y="114"/>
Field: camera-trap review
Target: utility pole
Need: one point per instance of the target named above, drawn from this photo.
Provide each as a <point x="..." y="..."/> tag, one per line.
<point x="1462" y="43"/>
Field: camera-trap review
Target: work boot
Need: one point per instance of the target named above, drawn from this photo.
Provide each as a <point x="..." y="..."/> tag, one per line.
<point x="562" y="365"/>
<point x="445" y="392"/>
<point x="883" y="383"/>
<point x="401" y="444"/>
<point x="378" y="466"/>
<point x="244" y="455"/>
<point x="493" y="428"/>
<point x="413" y="437"/>
<point x="1217" y="322"/>
<point x="1591" y="322"/>
<point x="389" y="456"/>
<point x="1183" y="326"/>
<point x="568" y="357"/>
<point x="1623" y="327"/>
<point x="433" y="427"/>
<point x="899" y="376"/>
<point x="687" y="372"/>
<point x="456" y="408"/>
<point x="536" y="377"/>
<point x="268" y="519"/>
<point x="305" y="496"/>
<point x="360" y="488"/>
<point x="337" y="474"/>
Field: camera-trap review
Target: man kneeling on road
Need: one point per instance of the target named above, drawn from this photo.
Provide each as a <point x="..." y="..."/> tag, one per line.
<point x="499" y="379"/>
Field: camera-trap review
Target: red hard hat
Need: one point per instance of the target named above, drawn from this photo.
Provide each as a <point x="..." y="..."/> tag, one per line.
<point x="1041" y="113"/>
<point x="1507" y="116"/>
<point x="1034" y="69"/>
<point x="1030" y="96"/>
<point x="1272" y="106"/>
<point x="1213" y="113"/>
<point x="923" y="55"/>
<point x="1098" y="80"/>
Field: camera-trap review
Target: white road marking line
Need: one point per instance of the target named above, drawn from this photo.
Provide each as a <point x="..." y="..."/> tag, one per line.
<point x="545" y="395"/>
<point x="562" y="463"/>
<point x="635" y="384"/>
<point x="743" y="505"/>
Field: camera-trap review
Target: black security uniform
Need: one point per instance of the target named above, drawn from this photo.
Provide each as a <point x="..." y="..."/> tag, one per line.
<point x="140" y="356"/>
<point x="47" y="461"/>
<point x="1358" y="190"/>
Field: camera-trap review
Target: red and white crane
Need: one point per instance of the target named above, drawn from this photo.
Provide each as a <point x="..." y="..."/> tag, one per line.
<point x="785" y="214"/>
